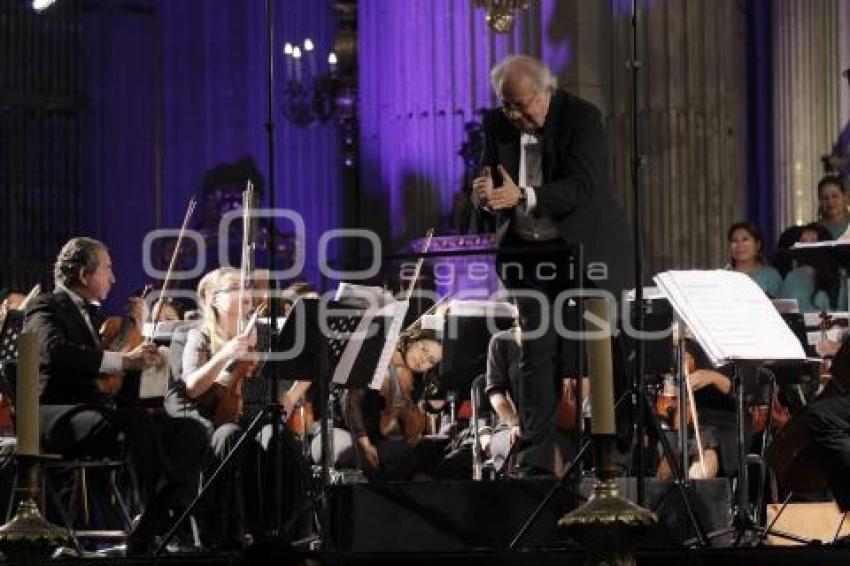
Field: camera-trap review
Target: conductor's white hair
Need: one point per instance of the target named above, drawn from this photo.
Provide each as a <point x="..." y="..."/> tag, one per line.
<point x="543" y="77"/>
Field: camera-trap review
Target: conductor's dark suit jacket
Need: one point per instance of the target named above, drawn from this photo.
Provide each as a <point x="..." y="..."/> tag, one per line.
<point x="575" y="192"/>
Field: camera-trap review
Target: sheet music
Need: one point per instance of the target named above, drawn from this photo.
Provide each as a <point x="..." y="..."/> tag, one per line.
<point x="730" y="316"/>
<point x="363" y="296"/>
<point x="352" y="348"/>
<point x="379" y="303"/>
<point x="821" y="244"/>
<point x="153" y="381"/>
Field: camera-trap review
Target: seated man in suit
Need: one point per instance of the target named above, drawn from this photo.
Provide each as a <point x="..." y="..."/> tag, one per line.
<point x="78" y="381"/>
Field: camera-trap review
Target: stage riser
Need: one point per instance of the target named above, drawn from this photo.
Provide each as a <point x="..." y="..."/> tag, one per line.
<point x="453" y="516"/>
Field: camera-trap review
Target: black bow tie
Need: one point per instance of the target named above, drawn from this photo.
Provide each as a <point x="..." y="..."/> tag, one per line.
<point x="93" y="311"/>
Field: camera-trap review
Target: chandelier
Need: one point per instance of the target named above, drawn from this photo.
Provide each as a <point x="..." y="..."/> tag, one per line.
<point x="319" y="89"/>
<point x="500" y="13"/>
<point x="309" y="93"/>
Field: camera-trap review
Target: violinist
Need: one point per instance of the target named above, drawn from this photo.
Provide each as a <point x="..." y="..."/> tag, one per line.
<point x="388" y="426"/>
<point x="78" y="417"/>
<point x="207" y="358"/>
<point x="715" y="417"/>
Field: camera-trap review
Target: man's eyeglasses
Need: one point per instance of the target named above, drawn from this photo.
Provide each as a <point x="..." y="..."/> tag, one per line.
<point x="509" y="106"/>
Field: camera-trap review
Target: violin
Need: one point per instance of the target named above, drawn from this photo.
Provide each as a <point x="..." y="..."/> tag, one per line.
<point x="400" y="413"/>
<point x="302" y="418"/>
<point x="223" y="401"/>
<point x="667" y="402"/>
<point x="119" y="334"/>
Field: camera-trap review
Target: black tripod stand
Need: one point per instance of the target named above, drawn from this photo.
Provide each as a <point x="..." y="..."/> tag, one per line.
<point x="744" y="528"/>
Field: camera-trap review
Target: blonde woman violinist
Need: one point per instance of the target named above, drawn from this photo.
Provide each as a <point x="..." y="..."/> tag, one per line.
<point x="209" y="357"/>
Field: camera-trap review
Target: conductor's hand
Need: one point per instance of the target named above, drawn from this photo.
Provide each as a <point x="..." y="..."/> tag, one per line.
<point x="142" y="356"/>
<point x="370" y="452"/>
<point x="508" y="195"/>
<point x="482" y="187"/>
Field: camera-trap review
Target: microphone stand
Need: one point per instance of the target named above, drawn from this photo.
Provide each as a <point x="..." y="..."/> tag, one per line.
<point x="638" y="162"/>
<point x="273" y="530"/>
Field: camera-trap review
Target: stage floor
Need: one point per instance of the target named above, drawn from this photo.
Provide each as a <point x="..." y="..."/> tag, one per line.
<point x="773" y="556"/>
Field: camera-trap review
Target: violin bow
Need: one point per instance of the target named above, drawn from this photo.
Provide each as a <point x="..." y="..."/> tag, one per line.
<point x="683" y="422"/>
<point x="419" y="263"/>
<point x="248" y="245"/>
<point x="190" y="209"/>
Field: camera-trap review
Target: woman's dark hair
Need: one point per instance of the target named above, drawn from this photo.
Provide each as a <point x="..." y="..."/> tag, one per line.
<point x="408" y="338"/>
<point x="178" y="306"/>
<point x="827" y="274"/>
<point x="752" y="230"/>
<point x="831" y="180"/>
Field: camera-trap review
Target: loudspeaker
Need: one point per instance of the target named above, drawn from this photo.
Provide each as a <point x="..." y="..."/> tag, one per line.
<point x="458" y="515"/>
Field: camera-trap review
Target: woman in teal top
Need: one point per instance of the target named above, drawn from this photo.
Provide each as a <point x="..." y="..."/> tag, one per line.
<point x="817" y="287"/>
<point x="832" y="206"/>
<point x="745" y="243"/>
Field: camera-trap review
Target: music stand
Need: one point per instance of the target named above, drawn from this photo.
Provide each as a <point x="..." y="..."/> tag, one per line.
<point x="340" y="346"/>
<point x="752" y="337"/>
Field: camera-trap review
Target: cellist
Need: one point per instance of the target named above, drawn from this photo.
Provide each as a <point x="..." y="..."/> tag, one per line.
<point x="828" y="425"/>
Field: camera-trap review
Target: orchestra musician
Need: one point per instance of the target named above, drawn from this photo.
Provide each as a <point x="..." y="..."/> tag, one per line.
<point x="78" y="414"/>
<point x="388" y="426"/>
<point x="502" y="383"/>
<point x="207" y="358"/>
<point x="545" y="177"/>
<point x="715" y="416"/>
<point x="828" y="424"/>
